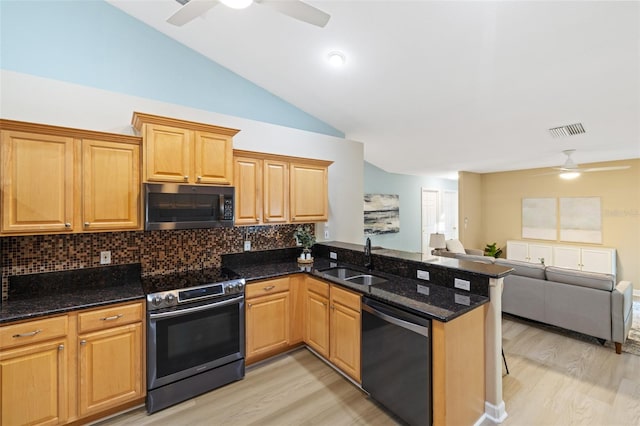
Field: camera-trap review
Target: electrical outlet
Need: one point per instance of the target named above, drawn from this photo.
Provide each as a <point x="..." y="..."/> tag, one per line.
<point x="105" y="257"/>
<point x="333" y="255"/>
<point x="462" y="284"/>
<point x="423" y="289"/>
<point x="326" y="234"/>
<point x="462" y="299"/>
<point x="423" y="275"/>
<point x="247" y="245"/>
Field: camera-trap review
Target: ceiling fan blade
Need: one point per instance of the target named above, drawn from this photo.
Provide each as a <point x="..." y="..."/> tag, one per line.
<point x="190" y="11"/>
<point x="299" y="10"/>
<point x="605" y="169"/>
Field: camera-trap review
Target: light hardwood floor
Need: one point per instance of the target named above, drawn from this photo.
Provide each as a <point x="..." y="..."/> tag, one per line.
<point x="553" y="380"/>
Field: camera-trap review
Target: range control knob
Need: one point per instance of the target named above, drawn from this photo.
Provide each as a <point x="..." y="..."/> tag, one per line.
<point x="240" y="287"/>
<point x="156" y="301"/>
<point x="170" y="299"/>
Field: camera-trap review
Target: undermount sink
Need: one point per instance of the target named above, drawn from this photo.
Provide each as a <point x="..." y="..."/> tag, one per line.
<point x="353" y="276"/>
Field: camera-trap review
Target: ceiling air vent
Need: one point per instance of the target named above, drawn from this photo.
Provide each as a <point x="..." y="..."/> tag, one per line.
<point x="568" y="130"/>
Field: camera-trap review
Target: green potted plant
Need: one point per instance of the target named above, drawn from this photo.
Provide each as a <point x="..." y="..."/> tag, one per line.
<point x="306" y="238"/>
<point x="492" y="250"/>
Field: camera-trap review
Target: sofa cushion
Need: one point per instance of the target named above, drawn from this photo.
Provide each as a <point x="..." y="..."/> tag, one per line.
<point x="524" y="269"/>
<point x="583" y="279"/>
<point x="455" y="246"/>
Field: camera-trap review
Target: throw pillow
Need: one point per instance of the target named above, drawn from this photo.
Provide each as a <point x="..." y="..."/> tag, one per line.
<point x="455" y="246"/>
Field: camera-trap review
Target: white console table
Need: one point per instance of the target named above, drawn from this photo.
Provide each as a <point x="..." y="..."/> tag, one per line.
<point x="582" y="258"/>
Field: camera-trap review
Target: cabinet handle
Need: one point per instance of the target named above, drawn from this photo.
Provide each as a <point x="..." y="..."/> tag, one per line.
<point x="60" y="347"/>
<point x="250" y="304"/>
<point x="199" y="178"/>
<point x="269" y="287"/>
<point x="111" y="318"/>
<point x="67" y="225"/>
<point x="86" y="224"/>
<point x="83" y="342"/>
<point x="29" y="334"/>
<point x="186" y="177"/>
<point x="333" y="307"/>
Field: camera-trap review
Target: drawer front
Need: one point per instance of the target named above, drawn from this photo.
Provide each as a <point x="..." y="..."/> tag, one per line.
<point x="345" y="297"/>
<point x="318" y="287"/>
<point x="33" y="331"/>
<point x="266" y="287"/>
<point x="111" y="316"/>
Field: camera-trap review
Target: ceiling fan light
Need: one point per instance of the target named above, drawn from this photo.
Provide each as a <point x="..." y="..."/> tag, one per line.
<point x="237" y="4"/>
<point x="569" y="175"/>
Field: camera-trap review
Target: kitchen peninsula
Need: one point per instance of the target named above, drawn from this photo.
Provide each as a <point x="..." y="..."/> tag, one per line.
<point x="466" y="334"/>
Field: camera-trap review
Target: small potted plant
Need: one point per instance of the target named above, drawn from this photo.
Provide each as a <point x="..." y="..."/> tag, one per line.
<point x="306" y="238"/>
<point x="492" y="250"/>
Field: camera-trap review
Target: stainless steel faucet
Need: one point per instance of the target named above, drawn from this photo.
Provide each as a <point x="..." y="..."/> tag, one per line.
<point x="367" y="254"/>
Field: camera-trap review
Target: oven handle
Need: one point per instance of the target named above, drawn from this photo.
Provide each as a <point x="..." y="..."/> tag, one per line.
<point x="195" y="309"/>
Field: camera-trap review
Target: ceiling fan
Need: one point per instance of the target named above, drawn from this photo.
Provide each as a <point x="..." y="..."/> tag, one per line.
<point x="570" y="170"/>
<point x="296" y="9"/>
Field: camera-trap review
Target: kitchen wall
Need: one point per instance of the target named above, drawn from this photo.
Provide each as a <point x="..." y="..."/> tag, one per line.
<point x="501" y="207"/>
<point x="157" y="251"/>
<point x="409" y="188"/>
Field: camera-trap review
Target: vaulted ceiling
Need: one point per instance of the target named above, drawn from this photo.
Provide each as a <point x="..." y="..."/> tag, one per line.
<point x="436" y="87"/>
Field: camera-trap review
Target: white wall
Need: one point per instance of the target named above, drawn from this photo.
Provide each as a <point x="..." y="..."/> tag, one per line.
<point x="28" y="98"/>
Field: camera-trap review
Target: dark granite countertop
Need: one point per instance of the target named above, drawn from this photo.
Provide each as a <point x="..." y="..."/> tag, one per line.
<point x="38" y="295"/>
<point x="421" y="297"/>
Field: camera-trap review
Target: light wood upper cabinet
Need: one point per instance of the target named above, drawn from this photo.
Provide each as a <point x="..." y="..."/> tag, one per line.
<point x="261" y="190"/>
<point x="309" y="195"/>
<point x="182" y="151"/>
<point x="268" y="185"/>
<point x="110" y="185"/>
<point x="110" y="368"/>
<point x="57" y="179"/>
<point x="37" y="182"/>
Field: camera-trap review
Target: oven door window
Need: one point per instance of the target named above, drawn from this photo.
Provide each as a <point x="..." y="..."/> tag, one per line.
<point x="191" y="340"/>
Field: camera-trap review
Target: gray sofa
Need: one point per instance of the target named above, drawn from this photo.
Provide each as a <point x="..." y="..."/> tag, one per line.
<point x="589" y="303"/>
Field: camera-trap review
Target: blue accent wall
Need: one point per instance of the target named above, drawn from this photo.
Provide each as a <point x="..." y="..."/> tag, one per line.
<point x="409" y="188"/>
<point x="91" y="43"/>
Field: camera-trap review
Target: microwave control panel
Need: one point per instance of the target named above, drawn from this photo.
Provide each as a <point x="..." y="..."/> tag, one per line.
<point x="228" y="209"/>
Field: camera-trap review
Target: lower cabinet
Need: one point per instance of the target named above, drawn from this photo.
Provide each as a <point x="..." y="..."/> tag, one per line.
<point x="332" y="325"/>
<point x="69" y="367"/>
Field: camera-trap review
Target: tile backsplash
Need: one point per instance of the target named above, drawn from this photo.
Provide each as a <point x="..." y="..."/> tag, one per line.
<point x="157" y="251"/>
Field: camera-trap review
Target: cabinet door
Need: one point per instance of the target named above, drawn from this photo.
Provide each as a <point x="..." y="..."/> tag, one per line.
<point x="34" y="384"/>
<point x="598" y="260"/>
<point x="276" y="187"/>
<point x="566" y="257"/>
<point x="518" y="250"/>
<point x="345" y="331"/>
<point x="317" y="323"/>
<point x="540" y="252"/>
<point x="111" y="185"/>
<point x="37" y="182"/>
<point x="308" y="193"/>
<point x="267" y="322"/>
<point x="248" y="181"/>
<point x="167" y="154"/>
<point x="213" y="158"/>
<point x="110" y="368"/>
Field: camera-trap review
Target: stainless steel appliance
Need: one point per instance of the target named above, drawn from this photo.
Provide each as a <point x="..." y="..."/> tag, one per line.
<point x="396" y="360"/>
<point x="195" y="335"/>
<point x="179" y="206"/>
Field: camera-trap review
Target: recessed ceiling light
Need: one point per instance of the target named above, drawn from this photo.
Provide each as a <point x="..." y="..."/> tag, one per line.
<point x="237" y="4"/>
<point x="336" y="58"/>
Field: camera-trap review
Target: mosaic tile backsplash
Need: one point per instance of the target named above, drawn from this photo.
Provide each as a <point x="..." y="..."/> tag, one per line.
<point x="157" y="251"/>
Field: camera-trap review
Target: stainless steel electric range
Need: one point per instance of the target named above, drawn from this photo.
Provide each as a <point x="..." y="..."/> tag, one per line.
<point x="195" y="334"/>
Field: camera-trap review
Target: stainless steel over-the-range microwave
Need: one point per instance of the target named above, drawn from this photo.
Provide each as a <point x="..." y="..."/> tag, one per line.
<point x="180" y="206"/>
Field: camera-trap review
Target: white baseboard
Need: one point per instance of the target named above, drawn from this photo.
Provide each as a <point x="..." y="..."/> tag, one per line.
<point x="636" y="293"/>
<point x="495" y="413"/>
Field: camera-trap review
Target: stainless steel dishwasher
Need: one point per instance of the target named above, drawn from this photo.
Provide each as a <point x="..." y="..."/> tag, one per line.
<point x="396" y="360"/>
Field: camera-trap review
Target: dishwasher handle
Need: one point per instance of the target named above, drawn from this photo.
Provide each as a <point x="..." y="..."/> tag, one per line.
<point x="397" y="317"/>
